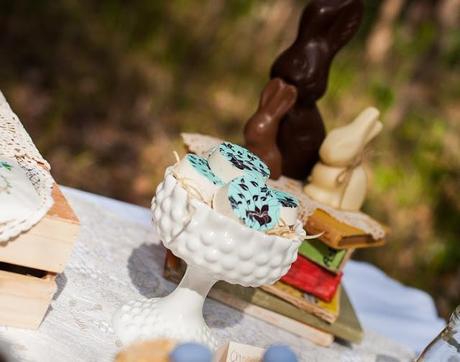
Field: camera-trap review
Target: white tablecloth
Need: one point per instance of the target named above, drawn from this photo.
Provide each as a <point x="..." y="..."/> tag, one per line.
<point x="118" y="258"/>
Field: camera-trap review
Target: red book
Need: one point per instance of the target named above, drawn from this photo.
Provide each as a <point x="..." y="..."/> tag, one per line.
<point x="311" y="278"/>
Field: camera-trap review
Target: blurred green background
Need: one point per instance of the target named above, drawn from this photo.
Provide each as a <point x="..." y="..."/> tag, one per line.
<point x="105" y="87"/>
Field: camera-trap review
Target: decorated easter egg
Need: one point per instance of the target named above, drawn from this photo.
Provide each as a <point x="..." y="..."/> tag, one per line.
<point x="289" y="206"/>
<point x="250" y="201"/>
<point x="195" y="175"/>
<point x="229" y="161"/>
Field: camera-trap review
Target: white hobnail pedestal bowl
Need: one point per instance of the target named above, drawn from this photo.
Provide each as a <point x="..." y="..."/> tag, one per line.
<point x="214" y="248"/>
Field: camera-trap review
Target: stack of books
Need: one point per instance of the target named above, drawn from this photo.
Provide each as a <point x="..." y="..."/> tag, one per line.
<point x="309" y="300"/>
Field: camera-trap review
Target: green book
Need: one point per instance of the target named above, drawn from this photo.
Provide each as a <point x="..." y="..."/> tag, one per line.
<point x="346" y="327"/>
<point x="323" y="255"/>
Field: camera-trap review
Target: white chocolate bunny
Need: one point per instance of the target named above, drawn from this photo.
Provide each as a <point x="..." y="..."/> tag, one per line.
<point x="339" y="179"/>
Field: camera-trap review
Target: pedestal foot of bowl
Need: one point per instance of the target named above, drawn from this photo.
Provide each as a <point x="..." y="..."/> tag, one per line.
<point x="178" y="316"/>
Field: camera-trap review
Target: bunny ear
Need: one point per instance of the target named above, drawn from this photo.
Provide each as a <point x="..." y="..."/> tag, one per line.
<point x="277" y="98"/>
<point x="376" y="129"/>
<point x="370" y="114"/>
<point x="334" y="20"/>
<point x="346" y="25"/>
<point x="342" y="145"/>
<point x="367" y="125"/>
<point x="269" y="90"/>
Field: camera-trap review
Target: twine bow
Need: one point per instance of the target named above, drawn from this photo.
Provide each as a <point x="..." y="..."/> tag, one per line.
<point x="343" y="178"/>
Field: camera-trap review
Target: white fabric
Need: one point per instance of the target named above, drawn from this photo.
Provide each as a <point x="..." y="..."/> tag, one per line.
<point x="17" y="195"/>
<point x="384" y="305"/>
<point x="27" y="184"/>
<point x="118" y="258"/>
<point x="407" y="315"/>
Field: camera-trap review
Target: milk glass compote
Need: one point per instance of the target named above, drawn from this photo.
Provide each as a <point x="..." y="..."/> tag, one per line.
<point x="214" y="248"/>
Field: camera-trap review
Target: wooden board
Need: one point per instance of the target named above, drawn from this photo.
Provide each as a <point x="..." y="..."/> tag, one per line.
<point x="337" y="234"/>
<point x="24" y="299"/>
<point x="47" y="245"/>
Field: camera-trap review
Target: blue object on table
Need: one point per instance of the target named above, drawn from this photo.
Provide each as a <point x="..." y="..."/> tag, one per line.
<point x="278" y="353"/>
<point x="190" y="352"/>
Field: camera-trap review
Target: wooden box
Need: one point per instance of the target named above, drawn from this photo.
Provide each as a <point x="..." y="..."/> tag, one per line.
<point x="30" y="262"/>
<point x="25" y="298"/>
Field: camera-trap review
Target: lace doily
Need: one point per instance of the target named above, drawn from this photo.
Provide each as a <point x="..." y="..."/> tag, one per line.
<point x="16" y="145"/>
<point x="201" y="144"/>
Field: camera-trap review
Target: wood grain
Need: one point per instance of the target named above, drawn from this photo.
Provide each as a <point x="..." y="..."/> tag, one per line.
<point x="24" y="299"/>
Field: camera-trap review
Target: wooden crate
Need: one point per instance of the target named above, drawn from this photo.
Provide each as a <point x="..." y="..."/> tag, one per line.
<point x="47" y="246"/>
<point x="25" y="298"/>
<point x="30" y="262"/>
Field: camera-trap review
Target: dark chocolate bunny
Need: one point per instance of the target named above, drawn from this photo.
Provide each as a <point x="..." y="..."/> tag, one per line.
<point x="325" y="27"/>
<point x="261" y="130"/>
